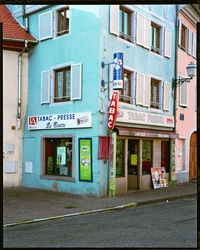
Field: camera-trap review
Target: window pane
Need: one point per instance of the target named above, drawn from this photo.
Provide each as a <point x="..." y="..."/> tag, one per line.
<point x="146" y="156"/>
<point x="58" y="156"/>
<point x="63" y="21"/>
<point x="126" y="24"/>
<point x="120" y="20"/>
<point x="68" y="83"/>
<point x="120" y="158"/>
<point x="59" y="81"/>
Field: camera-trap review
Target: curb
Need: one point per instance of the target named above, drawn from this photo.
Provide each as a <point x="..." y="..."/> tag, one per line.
<point x="133" y="204"/>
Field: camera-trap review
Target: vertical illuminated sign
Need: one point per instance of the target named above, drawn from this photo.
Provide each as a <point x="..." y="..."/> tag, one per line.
<point x="113" y="110"/>
<point x="118" y="71"/>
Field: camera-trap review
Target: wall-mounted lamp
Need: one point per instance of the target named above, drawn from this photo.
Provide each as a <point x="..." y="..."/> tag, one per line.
<point x="191" y="71"/>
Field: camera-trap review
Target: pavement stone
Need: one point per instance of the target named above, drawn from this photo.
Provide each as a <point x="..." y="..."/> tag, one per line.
<point x="27" y="205"/>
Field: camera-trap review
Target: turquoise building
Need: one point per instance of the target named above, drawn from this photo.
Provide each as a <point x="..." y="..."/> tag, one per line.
<point x="70" y="85"/>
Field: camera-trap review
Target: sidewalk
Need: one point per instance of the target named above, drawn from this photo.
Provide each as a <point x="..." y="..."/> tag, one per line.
<point x="27" y="205"/>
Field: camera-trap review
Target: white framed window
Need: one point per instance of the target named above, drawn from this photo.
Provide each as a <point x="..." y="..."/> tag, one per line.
<point x="57" y="28"/>
<point x="122" y="22"/>
<point x="183" y="94"/>
<point x="66" y="84"/>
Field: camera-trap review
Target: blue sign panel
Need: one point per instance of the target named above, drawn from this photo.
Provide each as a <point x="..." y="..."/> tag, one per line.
<point x="118" y="71"/>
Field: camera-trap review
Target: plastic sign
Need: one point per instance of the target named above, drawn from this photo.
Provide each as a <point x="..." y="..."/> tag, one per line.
<point x="118" y="71"/>
<point x="113" y="110"/>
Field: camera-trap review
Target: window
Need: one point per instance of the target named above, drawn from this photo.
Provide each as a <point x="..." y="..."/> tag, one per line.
<point x="58" y="156"/>
<point x="125" y="93"/>
<point x="63" y="21"/>
<point x="62" y="85"/>
<point x="66" y="81"/>
<point x="183" y="91"/>
<point x="183" y="37"/>
<point x="155" y="41"/>
<point x="155" y="94"/>
<point x="125" y="24"/>
<point x="46" y="26"/>
<point x="121" y="22"/>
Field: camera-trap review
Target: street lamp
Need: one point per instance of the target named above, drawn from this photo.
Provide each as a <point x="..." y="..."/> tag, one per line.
<point x="191" y="71"/>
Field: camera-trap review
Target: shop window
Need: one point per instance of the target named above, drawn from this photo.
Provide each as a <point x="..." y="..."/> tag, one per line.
<point x="125" y="93"/>
<point x="155" y="40"/>
<point x="120" y="158"/>
<point x="132" y="157"/>
<point x="125" y="24"/>
<point x="146" y="156"/>
<point x="155" y="94"/>
<point x="58" y="157"/>
<point x="63" y="21"/>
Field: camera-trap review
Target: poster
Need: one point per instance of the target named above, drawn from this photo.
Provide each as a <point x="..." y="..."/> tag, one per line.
<point x="112" y="165"/>
<point x="85" y="159"/>
<point x="61" y="155"/>
<point x="155" y="174"/>
<point x="163" y="178"/>
<point x="134" y="159"/>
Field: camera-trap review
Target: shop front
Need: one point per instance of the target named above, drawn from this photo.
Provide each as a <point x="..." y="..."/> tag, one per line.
<point x="139" y="150"/>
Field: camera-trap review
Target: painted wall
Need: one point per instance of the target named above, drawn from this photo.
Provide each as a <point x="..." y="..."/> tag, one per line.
<point x="12" y="135"/>
<point x="187" y="126"/>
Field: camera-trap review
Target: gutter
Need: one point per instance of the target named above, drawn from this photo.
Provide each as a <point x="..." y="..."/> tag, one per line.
<point x="20" y="84"/>
<point x="19" y="40"/>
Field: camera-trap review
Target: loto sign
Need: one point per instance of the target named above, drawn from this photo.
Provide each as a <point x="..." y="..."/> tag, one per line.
<point x="113" y="110"/>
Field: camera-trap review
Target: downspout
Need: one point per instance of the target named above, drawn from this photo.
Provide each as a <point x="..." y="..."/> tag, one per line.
<point x="19" y="85"/>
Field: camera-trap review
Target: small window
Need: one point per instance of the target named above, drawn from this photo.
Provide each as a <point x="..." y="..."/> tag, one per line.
<point x="183" y="37"/>
<point x="125" y="24"/>
<point x="155" y="94"/>
<point x="62" y="85"/>
<point x="125" y="93"/>
<point x="63" y="22"/>
<point x="58" y="156"/>
<point x="155" y="34"/>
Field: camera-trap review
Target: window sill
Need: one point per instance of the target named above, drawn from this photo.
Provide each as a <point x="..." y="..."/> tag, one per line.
<point x="58" y="178"/>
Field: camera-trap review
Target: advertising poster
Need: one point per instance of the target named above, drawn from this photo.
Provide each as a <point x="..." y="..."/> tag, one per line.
<point x="155" y="174"/>
<point x="61" y="155"/>
<point x="163" y="179"/>
<point x="85" y="159"/>
<point x="112" y="165"/>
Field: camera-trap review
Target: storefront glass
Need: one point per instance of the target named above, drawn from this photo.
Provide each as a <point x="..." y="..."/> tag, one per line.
<point x="120" y="158"/>
<point x="132" y="157"/>
<point x="146" y="156"/>
<point x="58" y="156"/>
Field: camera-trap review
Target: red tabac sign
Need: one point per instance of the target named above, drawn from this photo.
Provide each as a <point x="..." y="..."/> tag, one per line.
<point x="113" y="110"/>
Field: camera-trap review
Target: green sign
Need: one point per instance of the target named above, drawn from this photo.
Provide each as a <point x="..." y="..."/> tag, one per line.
<point x="85" y="159"/>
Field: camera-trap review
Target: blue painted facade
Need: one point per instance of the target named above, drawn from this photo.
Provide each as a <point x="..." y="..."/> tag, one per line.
<point x="88" y="43"/>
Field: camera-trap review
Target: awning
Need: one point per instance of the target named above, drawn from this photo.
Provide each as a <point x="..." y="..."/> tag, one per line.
<point x="150" y="133"/>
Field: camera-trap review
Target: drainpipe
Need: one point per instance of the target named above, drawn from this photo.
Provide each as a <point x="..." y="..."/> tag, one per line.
<point x="19" y="85"/>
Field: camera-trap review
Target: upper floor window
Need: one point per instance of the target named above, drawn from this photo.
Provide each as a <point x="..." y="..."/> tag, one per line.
<point x="125" y="24"/>
<point x="183" y="37"/>
<point x="155" y="94"/>
<point x="63" y="21"/>
<point x="125" y="93"/>
<point x="155" y="38"/>
<point x="62" y="85"/>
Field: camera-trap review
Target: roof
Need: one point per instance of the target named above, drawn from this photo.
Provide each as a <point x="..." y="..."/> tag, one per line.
<point x="14" y="34"/>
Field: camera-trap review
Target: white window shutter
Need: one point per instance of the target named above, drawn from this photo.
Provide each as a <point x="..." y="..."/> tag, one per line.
<point x="189" y="43"/>
<point x="194" y="42"/>
<point x="167" y="88"/>
<point x="183" y="94"/>
<point x="45" y="86"/>
<point x="179" y="31"/>
<point x="114" y="19"/>
<point x="76" y="82"/>
<point x="147" y="33"/>
<point x="140" y="29"/>
<point x="147" y="87"/>
<point x="139" y="89"/>
<point x="167" y="52"/>
<point x="45" y="26"/>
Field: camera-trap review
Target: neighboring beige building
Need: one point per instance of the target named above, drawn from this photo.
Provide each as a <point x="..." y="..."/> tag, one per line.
<point x="16" y="44"/>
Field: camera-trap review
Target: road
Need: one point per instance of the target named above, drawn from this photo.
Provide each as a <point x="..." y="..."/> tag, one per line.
<point x="162" y="225"/>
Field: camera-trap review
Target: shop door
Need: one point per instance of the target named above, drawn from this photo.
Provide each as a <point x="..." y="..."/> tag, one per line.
<point x="193" y="157"/>
<point x="165" y="155"/>
<point x="132" y="164"/>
